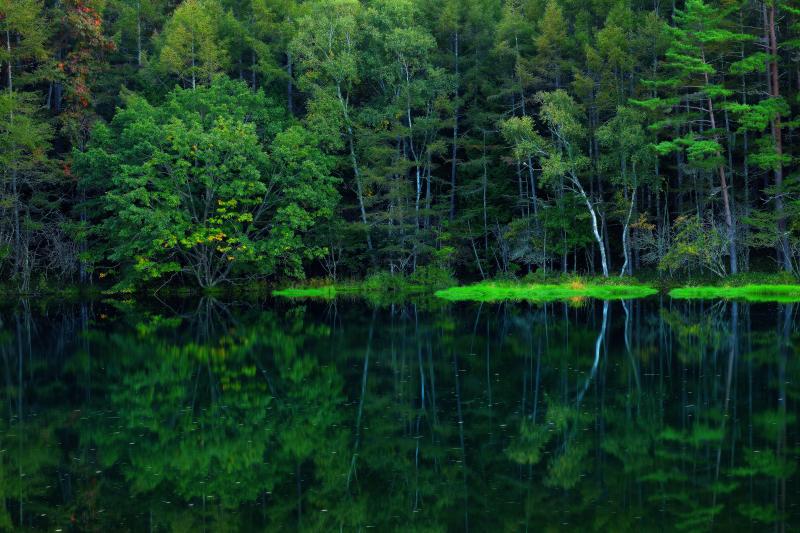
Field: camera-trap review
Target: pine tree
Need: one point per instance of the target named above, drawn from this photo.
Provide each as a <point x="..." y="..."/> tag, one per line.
<point x="700" y="41"/>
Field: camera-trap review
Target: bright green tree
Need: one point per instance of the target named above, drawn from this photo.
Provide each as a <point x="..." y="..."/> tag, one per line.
<point x="193" y="46"/>
<point x="216" y="184"/>
<point x="562" y="157"/>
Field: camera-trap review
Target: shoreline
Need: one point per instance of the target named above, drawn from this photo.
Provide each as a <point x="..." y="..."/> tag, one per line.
<point x="778" y="291"/>
<point x="614" y="289"/>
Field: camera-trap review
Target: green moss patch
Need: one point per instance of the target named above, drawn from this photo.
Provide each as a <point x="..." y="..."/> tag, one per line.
<point x="750" y="293"/>
<point x="492" y="292"/>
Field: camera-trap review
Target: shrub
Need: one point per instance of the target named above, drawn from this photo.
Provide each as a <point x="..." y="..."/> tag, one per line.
<point x="432" y="277"/>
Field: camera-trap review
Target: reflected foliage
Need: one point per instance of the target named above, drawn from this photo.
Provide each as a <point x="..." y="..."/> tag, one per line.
<point x="267" y="415"/>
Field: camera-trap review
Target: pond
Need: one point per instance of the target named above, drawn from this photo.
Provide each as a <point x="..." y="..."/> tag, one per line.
<point x="212" y="415"/>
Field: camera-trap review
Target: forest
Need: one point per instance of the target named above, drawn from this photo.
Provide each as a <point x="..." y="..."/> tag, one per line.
<point x="217" y="142"/>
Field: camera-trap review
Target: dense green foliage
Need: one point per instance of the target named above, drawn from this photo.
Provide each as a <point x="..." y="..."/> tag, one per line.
<point x="479" y="138"/>
<point x="215" y="183"/>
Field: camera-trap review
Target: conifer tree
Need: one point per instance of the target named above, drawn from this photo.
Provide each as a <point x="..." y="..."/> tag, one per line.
<point x="694" y="81"/>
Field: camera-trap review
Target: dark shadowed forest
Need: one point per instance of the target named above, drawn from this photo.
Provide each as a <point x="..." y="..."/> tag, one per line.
<point x="215" y="142"/>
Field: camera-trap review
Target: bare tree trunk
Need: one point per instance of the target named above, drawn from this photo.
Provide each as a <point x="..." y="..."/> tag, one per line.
<point x="626" y="267"/>
<point x="354" y="161"/>
<point x="596" y="364"/>
<point x="595" y="225"/>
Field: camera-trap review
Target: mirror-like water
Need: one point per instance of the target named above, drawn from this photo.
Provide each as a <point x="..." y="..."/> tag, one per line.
<point x="236" y="416"/>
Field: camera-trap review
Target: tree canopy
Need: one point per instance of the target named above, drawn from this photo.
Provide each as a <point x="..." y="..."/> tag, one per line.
<point x="483" y="138"/>
<point x="216" y="182"/>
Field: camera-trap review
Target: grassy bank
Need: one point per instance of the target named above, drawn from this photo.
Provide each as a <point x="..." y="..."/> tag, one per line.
<point x="750" y="293"/>
<point x="432" y="284"/>
<point x="352" y="289"/>
<point x="383" y="284"/>
<point x="504" y="291"/>
<point x="754" y="287"/>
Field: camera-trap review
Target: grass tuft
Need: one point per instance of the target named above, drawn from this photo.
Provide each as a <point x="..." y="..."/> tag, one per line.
<point x="494" y="292"/>
<point x="750" y="293"/>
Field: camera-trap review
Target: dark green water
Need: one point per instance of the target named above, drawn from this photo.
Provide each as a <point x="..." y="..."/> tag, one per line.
<point x="205" y="415"/>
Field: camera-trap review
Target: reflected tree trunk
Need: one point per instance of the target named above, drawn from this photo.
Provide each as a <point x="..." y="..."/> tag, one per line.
<point x="597" y="345"/>
<point x="364" y="374"/>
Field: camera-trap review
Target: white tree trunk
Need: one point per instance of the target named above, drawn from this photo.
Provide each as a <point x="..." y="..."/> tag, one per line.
<point x="595" y="227"/>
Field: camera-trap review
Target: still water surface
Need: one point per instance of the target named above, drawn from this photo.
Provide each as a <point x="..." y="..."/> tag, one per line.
<point x="210" y="415"/>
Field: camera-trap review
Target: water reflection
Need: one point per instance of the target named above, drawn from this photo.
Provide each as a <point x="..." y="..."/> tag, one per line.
<point x="207" y="415"/>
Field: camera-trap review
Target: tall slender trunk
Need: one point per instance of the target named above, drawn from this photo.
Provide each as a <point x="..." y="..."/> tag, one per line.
<point x="723" y="180"/>
<point x="354" y="162"/>
<point x="745" y="149"/>
<point x="194" y="70"/>
<point x="733" y="347"/>
<point x="484" y="185"/>
<point x="428" y="198"/>
<point x="532" y="202"/>
<point x="604" y="244"/>
<point x="596" y="363"/>
<point x="14" y="185"/>
<point x="8" y="65"/>
<point x="626" y="249"/>
<point x="781" y="448"/>
<point x="453" y="163"/>
<point x="289" y="83"/>
<point x="17" y="229"/>
<point x="418" y="182"/>
<point x="361" y="401"/>
<point x="139" y="33"/>
<point x="359" y="189"/>
<point x="461" y="438"/>
<point x="595" y="226"/>
<point x="777" y="134"/>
